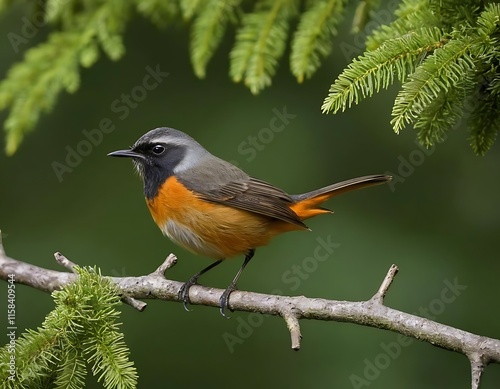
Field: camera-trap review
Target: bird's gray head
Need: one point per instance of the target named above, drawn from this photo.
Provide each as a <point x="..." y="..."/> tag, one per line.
<point x="161" y="153"/>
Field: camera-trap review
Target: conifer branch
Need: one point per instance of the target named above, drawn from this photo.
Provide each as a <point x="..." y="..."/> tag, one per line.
<point x="480" y="350"/>
<point x="208" y="30"/>
<point x="378" y="69"/>
<point x="80" y="331"/>
<point x="161" y="12"/>
<point x="33" y="85"/>
<point x="463" y="60"/>
<point x="411" y="15"/>
<point x="261" y="42"/>
<point x="190" y="7"/>
<point x="313" y="39"/>
<point x="439" y="73"/>
<point x="425" y="48"/>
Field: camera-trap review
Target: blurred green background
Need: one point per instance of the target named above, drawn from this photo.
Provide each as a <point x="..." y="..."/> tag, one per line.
<point x="439" y="225"/>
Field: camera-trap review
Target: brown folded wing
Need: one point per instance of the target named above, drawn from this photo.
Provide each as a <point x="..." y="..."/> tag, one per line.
<point x="254" y="196"/>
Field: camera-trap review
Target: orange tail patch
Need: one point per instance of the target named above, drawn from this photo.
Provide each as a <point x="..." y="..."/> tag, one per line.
<point x="308" y="208"/>
<point x="307" y="205"/>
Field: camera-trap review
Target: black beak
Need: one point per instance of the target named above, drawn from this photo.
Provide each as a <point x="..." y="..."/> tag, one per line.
<point x="126" y="153"/>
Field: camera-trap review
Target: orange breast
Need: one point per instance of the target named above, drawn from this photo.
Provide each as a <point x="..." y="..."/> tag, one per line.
<point x="209" y="229"/>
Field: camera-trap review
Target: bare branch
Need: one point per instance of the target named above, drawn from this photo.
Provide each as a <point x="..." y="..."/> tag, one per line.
<point x="65" y="262"/>
<point x="169" y="262"/>
<point x="137" y="304"/>
<point x="480" y="350"/>
<point x="2" y="252"/>
<point x="292" y="322"/>
<point x="477" y="367"/>
<point x="386" y="283"/>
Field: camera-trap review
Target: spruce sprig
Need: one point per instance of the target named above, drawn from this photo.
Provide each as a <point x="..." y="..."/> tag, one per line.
<point x="446" y="54"/>
<point x="81" y="331"/>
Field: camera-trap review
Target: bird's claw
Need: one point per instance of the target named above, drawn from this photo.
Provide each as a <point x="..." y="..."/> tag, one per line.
<point x="224" y="301"/>
<point x="183" y="294"/>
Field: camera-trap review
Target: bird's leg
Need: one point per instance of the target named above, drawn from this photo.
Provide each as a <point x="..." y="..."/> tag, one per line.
<point x="224" y="299"/>
<point x="184" y="290"/>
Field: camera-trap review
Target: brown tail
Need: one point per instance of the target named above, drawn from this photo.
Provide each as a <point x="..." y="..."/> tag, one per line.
<point x="307" y="205"/>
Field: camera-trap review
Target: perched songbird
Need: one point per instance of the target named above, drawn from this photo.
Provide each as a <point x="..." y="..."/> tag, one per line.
<point x="213" y="208"/>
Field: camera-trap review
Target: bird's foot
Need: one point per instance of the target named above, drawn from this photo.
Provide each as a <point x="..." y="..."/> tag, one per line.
<point x="184" y="293"/>
<point x="224" y="300"/>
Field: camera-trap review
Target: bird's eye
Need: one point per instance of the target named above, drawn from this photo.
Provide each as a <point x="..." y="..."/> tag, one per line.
<point x="158" y="149"/>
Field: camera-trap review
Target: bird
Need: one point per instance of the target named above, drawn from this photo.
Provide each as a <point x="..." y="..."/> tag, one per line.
<point x="213" y="208"/>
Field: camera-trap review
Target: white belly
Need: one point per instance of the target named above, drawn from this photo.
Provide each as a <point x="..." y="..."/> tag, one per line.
<point x="188" y="239"/>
